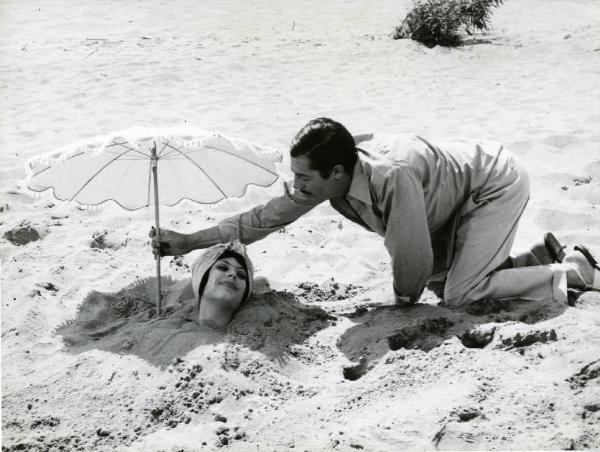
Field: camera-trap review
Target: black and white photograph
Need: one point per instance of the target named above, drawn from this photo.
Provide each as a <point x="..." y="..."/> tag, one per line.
<point x="299" y="225"/>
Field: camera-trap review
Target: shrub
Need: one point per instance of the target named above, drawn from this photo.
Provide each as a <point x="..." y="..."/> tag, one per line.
<point x="477" y="13"/>
<point x="438" y="22"/>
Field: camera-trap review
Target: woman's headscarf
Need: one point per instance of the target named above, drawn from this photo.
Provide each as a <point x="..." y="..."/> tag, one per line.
<point x="203" y="264"/>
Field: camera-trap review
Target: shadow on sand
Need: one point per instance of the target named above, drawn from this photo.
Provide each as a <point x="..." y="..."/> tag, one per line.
<point x="272" y="322"/>
<point x="125" y="322"/>
<point x="423" y="326"/>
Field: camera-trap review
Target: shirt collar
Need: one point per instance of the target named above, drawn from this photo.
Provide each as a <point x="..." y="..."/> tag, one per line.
<point x="359" y="187"/>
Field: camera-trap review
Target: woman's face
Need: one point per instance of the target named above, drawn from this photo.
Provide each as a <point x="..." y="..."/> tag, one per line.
<point x="226" y="282"/>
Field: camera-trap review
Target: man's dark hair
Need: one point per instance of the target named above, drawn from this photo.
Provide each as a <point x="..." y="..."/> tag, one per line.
<point x="326" y="143"/>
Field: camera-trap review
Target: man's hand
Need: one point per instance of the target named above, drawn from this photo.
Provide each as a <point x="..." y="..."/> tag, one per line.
<point x="171" y="243"/>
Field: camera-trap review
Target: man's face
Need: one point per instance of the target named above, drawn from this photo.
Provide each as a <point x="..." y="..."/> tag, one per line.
<point x="309" y="182"/>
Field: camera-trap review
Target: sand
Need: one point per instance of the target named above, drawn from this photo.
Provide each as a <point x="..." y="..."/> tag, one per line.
<point x="322" y="359"/>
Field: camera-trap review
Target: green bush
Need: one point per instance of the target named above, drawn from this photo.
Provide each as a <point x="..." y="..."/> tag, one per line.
<point x="439" y="22"/>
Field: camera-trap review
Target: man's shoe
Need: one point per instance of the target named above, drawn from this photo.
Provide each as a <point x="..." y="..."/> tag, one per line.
<point x="554" y="247"/>
<point x="595" y="283"/>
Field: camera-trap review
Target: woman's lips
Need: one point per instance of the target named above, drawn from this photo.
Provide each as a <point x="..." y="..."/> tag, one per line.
<point x="230" y="285"/>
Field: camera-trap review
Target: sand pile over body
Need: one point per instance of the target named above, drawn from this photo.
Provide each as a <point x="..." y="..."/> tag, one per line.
<point x="126" y="323"/>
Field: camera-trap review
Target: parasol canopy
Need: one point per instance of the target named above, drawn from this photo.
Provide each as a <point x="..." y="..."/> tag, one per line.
<point x="197" y="165"/>
<point x="124" y="167"/>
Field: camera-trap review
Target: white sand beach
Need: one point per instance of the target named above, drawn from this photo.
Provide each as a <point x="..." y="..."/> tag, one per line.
<point x="324" y="360"/>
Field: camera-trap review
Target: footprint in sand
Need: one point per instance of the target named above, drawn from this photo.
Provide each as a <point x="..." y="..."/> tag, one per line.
<point x="563" y="141"/>
<point x="560" y="220"/>
<point x="27" y="134"/>
<point x="584" y="186"/>
<point x="593" y="170"/>
<point x="586" y="189"/>
<point x="560" y="178"/>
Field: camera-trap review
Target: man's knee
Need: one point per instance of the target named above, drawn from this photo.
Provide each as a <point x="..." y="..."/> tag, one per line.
<point x="456" y="301"/>
<point x="460" y="296"/>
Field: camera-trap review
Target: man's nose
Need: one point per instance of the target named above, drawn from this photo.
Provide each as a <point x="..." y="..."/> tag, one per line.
<point x="298" y="185"/>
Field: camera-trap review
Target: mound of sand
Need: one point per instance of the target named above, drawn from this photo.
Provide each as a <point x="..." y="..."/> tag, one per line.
<point x="125" y="322"/>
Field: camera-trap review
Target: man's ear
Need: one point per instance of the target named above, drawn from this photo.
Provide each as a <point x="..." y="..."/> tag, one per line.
<point x="338" y="171"/>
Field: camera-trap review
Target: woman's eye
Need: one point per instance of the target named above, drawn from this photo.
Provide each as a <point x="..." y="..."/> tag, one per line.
<point x="242" y="276"/>
<point x="222" y="267"/>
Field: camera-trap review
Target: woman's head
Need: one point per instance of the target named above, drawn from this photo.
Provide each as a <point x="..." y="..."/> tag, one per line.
<point x="222" y="279"/>
<point x="226" y="281"/>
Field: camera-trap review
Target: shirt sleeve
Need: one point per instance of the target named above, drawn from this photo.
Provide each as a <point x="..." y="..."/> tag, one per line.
<point x="361" y="138"/>
<point x="260" y="221"/>
<point x="407" y="237"/>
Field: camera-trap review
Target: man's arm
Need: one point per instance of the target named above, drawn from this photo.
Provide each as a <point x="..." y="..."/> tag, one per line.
<point x="362" y="137"/>
<point x="407" y="237"/>
<point x="172" y="243"/>
<point x="256" y="223"/>
<point x="246" y="227"/>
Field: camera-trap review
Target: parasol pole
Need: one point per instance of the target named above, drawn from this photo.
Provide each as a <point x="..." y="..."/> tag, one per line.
<point x="157" y="222"/>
